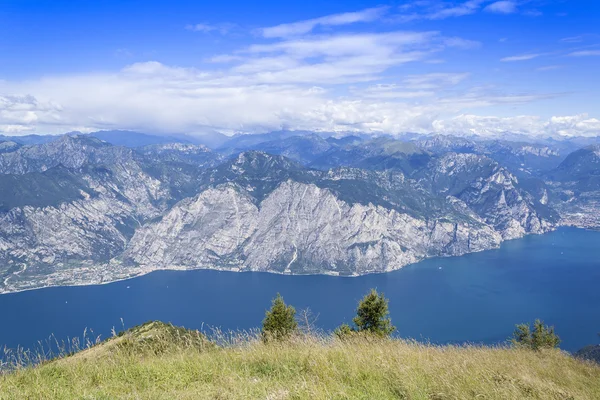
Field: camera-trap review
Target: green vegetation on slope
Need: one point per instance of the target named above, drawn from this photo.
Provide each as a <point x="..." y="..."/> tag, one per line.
<point x="280" y="322"/>
<point x="306" y="367"/>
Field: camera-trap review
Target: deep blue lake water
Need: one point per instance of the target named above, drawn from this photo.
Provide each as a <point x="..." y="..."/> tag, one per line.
<point x="475" y="298"/>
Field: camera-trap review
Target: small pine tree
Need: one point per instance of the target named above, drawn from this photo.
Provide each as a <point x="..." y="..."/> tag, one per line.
<point x="372" y="315"/>
<point x="541" y="337"/>
<point x="343" y="331"/>
<point x="279" y="322"/>
<point x="544" y="336"/>
<point x="522" y="336"/>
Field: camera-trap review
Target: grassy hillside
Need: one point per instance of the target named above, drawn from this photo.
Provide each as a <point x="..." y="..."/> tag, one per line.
<point x="158" y="361"/>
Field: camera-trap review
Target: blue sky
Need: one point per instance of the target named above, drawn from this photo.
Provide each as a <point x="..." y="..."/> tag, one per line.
<point x="474" y="66"/>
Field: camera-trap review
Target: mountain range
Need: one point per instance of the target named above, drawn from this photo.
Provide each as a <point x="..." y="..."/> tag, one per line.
<point x="94" y="208"/>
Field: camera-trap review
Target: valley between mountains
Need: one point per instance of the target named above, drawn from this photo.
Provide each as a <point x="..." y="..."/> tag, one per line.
<point x="87" y="209"/>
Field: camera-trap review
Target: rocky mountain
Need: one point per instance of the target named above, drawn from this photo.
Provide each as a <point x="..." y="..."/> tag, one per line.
<point x="378" y="154"/>
<point x="575" y="187"/>
<point x="29" y="139"/>
<point x="69" y="151"/>
<point x="589" y="353"/>
<point x="491" y="191"/>
<point x="134" y="139"/>
<point x="8" y="146"/>
<point x="199" y="155"/>
<point x="244" y="142"/>
<point x="523" y="158"/>
<point x="580" y="164"/>
<point x="304" y="149"/>
<point x="79" y="210"/>
<point x="297" y="228"/>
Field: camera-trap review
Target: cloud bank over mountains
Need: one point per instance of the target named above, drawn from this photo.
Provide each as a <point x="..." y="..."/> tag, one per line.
<point x="332" y="73"/>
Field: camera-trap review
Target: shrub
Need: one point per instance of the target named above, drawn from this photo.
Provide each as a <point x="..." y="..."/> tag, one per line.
<point x="541" y="337"/>
<point x="279" y="322"/>
<point x="343" y="331"/>
<point x="371" y="317"/>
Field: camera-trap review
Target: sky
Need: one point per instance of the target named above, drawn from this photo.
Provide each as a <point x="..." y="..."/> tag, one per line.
<point x="452" y="67"/>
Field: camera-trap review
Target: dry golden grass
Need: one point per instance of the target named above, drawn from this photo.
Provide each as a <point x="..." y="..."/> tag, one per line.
<point x="312" y="367"/>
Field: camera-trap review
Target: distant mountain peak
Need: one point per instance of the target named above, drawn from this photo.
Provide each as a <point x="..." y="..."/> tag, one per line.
<point x="8" y="146"/>
<point x="179" y="147"/>
<point x="595" y="148"/>
<point x="81" y="140"/>
<point x="256" y="160"/>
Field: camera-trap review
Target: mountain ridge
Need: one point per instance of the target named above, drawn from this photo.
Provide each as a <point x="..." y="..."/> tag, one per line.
<point x="82" y="210"/>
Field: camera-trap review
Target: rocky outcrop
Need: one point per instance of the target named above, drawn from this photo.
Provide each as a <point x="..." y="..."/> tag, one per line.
<point x="298" y="228"/>
<point x="491" y="191"/>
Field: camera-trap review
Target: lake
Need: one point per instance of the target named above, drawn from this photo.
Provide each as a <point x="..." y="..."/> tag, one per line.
<point x="474" y="298"/>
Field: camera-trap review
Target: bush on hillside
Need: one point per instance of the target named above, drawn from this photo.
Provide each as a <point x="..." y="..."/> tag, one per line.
<point x="279" y="322"/>
<point x="343" y="331"/>
<point x="541" y="337"/>
<point x="372" y="317"/>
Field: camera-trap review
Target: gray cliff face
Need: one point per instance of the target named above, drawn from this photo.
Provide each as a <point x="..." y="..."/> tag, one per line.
<point x="77" y="210"/>
<point x="59" y="233"/>
<point x="298" y="228"/>
<point x="574" y="188"/>
<point x="492" y="192"/>
<point x="37" y="241"/>
<point x="197" y="232"/>
<point x="180" y="153"/>
<point x="8" y="146"/>
<point x="71" y="152"/>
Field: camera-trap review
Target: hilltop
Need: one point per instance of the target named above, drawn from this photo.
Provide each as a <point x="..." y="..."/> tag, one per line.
<point x="159" y="361"/>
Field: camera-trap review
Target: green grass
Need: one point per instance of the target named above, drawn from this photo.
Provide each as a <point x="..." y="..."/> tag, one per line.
<point x="157" y="361"/>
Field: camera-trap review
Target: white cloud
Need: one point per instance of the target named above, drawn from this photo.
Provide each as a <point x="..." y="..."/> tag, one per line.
<point x="572" y="39"/>
<point x="461" y="43"/>
<point x="574" y="125"/>
<point x="483" y="97"/>
<point x="466" y="8"/>
<point x="533" y="13"/>
<point x="434" y="80"/>
<point x="223" y="28"/>
<point x="392" y="91"/>
<point x="577" y="125"/>
<point x="413" y="86"/>
<point x="580" y="38"/>
<point x="335" y="59"/>
<point x="585" y="53"/>
<point x="549" y="68"/>
<point x="24" y="113"/>
<point x="487" y="125"/>
<point x="200" y="28"/>
<point x="523" y="57"/>
<point x="437" y="10"/>
<point x="225" y="58"/>
<point x="502" y="7"/>
<point x="302" y="27"/>
<point x="154" y="97"/>
<point x="344" y="44"/>
<point x="289" y="83"/>
<point x="298" y="80"/>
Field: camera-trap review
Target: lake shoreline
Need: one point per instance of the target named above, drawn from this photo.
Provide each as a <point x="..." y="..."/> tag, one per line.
<point x="145" y="271"/>
<point x="553" y="277"/>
